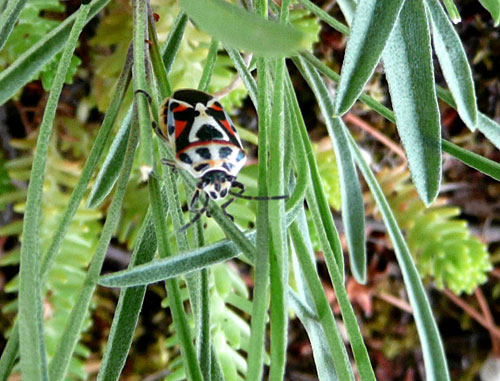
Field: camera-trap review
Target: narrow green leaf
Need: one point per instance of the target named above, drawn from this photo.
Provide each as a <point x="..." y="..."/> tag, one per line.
<point x="372" y="24"/>
<point x="348" y="8"/>
<point x="8" y="19"/>
<point x="256" y="346"/>
<point x="176" y="306"/>
<point x="180" y="264"/>
<point x="245" y="74"/>
<point x="324" y="312"/>
<point x="407" y="61"/>
<point x="276" y="211"/>
<point x="493" y="6"/>
<point x="110" y="170"/>
<point x="350" y="188"/>
<point x="22" y="70"/>
<point x="32" y="346"/>
<point x="209" y="66"/>
<point x="316" y="197"/>
<point x="323" y="361"/>
<point x="303" y="306"/>
<point x="128" y="307"/>
<point x="333" y="22"/>
<point x="489" y="128"/>
<point x="156" y="56"/>
<point x="60" y="362"/>
<point x="482" y="164"/>
<point x="75" y="199"/>
<point x="486" y="125"/>
<point x="432" y="347"/>
<point x="140" y="83"/>
<point x="452" y="10"/>
<point x="243" y="30"/>
<point x="9" y="353"/>
<point x="173" y="43"/>
<point x="453" y="62"/>
<point x="94" y="156"/>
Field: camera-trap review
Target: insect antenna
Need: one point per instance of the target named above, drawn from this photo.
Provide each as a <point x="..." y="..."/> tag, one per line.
<point x="257" y="198"/>
<point x="241" y="187"/>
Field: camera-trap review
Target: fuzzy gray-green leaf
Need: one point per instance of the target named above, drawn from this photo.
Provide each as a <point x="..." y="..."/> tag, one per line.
<point x="453" y="62"/>
<point x="370" y="30"/>
<point x="408" y="65"/>
<point x="171" y="267"/>
<point x="8" y="19"/>
<point x="352" y="201"/>
<point x="493" y="6"/>
<point x="243" y="30"/>
<point x="32" y="343"/>
<point x="128" y="308"/>
<point x="432" y="347"/>
<point x="22" y="70"/>
<point x="489" y="128"/>
<point x="112" y="165"/>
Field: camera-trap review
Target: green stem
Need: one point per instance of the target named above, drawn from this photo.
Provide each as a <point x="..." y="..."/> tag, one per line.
<point x="140" y="83"/>
<point x="175" y="301"/>
<point x="32" y="345"/>
<point x="60" y="362"/>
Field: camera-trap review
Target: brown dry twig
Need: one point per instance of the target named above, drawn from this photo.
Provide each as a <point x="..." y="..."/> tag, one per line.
<point x="471" y="311"/>
<point x="351" y="118"/>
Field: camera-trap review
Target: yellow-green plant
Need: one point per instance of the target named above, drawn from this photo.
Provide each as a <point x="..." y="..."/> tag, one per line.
<point x="285" y="157"/>
<point x="442" y="245"/>
<point x="68" y="271"/>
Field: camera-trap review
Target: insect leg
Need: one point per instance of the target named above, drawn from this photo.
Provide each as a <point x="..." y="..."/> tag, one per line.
<point x="199" y="212"/>
<point x="172" y="164"/>
<point x="225" y="205"/>
<point x="195" y="197"/>
<point x="239" y="185"/>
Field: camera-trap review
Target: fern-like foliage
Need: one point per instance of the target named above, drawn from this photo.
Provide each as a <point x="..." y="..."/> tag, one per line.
<point x="443" y="246"/>
<point x="68" y="273"/>
<point x="229" y="300"/>
<point x="33" y="24"/>
<point x="115" y="31"/>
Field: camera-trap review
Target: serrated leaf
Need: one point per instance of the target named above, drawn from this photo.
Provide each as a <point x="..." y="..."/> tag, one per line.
<point x="493" y="6"/>
<point x="453" y="62"/>
<point x="408" y="64"/>
<point x="243" y="30"/>
<point x="371" y="26"/>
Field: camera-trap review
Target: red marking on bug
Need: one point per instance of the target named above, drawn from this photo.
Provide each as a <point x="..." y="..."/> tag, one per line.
<point x="179" y="108"/>
<point x="180" y="125"/>
<point x="216" y="107"/>
<point x="156" y="17"/>
<point x="226" y="125"/>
